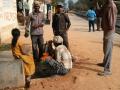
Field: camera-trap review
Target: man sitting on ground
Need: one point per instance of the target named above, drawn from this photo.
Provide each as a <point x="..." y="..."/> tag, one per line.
<point x="63" y="62"/>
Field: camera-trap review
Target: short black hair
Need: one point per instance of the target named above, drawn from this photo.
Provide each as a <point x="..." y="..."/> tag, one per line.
<point x="15" y="33"/>
<point x="91" y="8"/>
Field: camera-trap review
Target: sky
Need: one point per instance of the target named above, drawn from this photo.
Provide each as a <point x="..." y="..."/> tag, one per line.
<point x="67" y="3"/>
<point x="73" y="0"/>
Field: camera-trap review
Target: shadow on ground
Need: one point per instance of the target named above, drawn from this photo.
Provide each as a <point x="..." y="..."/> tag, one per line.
<point x="84" y="64"/>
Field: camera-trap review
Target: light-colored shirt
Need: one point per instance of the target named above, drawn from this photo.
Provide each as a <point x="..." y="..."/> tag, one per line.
<point x="64" y="56"/>
<point x="35" y="19"/>
<point x="20" y="5"/>
<point x="26" y="5"/>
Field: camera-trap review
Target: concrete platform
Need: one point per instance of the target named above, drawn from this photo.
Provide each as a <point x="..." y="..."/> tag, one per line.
<point x="6" y="54"/>
<point x="11" y="73"/>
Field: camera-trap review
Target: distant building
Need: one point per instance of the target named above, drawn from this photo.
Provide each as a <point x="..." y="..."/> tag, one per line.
<point x="8" y="17"/>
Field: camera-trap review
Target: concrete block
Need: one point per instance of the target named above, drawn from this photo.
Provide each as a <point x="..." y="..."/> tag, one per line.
<point x="11" y="73"/>
<point x="6" y="54"/>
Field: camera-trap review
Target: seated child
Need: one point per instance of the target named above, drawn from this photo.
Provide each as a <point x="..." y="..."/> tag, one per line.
<point x="19" y="53"/>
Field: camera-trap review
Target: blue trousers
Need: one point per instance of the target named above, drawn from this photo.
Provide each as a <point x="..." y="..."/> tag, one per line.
<point x="91" y="24"/>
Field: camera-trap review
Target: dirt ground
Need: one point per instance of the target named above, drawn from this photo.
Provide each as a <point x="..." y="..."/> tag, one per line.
<point x="87" y="46"/>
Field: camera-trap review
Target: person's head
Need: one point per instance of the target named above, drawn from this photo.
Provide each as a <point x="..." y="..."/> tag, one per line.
<point x="59" y="7"/>
<point x="15" y="34"/>
<point x="27" y="0"/>
<point x="57" y="40"/>
<point x="91" y="8"/>
<point x="108" y="1"/>
<point x="36" y="6"/>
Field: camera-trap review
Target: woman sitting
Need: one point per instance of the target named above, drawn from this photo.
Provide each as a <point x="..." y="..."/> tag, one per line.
<point x="18" y="53"/>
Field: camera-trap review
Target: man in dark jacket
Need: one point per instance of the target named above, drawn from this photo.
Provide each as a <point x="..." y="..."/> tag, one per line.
<point x="61" y="24"/>
<point x="108" y="25"/>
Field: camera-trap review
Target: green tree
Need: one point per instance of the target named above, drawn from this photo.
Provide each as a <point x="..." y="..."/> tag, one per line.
<point x="71" y="4"/>
<point x="82" y="5"/>
<point x="54" y="2"/>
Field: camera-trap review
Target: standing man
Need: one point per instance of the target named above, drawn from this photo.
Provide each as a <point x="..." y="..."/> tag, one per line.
<point x="20" y="6"/>
<point x="98" y="15"/>
<point x="91" y="18"/>
<point x="108" y="25"/>
<point x="36" y="23"/>
<point x="61" y="24"/>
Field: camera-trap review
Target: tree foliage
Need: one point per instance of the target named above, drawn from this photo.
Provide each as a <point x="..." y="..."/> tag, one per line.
<point x="71" y="4"/>
<point x="54" y="2"/>
<point x="85" y="4"/>
<point x="82" y="4"/>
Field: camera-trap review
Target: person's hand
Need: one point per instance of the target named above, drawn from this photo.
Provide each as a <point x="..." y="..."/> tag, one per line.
<point x="67" y="29"/>
<point x="49" y="58"/>
<point x="41" y="25"/>
<point x="35" y="26"/>
<point x="26" y="33"/>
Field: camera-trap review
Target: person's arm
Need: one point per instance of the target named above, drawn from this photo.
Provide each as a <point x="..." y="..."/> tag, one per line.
<point x="110" y="18"/>
<point x="28" y="21"/>
<point x="87" y="13"/>
<point x="53" y="23"/>
<point x="42" y="22"/>
<point x="97" y="6"/>
<point x="20" y="44"/>
<point x="24" y="48"/>
<point x="94" y="14"/>
<point x="68" y="22"/>
<point x="58" y="55"/>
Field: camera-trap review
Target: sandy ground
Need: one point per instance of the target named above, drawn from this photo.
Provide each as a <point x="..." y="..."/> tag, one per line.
<point x="87" y="46"/>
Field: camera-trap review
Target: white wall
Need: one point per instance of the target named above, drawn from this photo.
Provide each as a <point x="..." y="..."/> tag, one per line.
<point x="8" y="18"/>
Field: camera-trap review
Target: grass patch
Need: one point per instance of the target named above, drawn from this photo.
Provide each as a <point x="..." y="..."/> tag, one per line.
<point x="5" y="47"/>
